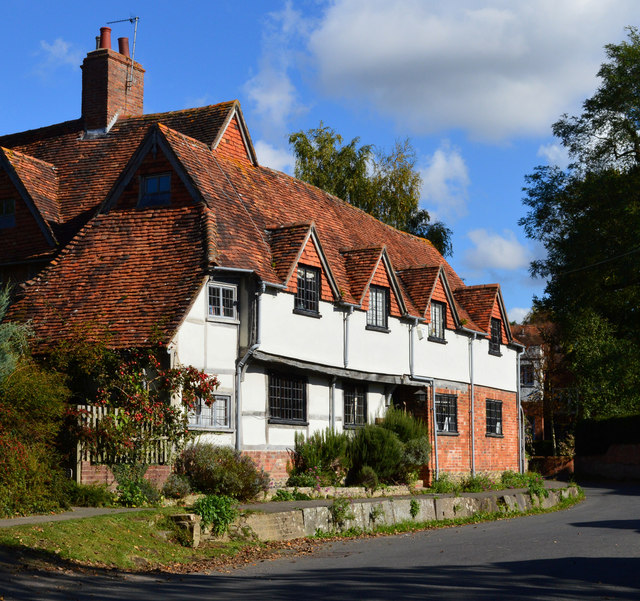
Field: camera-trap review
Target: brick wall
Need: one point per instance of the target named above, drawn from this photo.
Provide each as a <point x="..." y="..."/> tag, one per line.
<point x="274" y="462"/>
<point x="101" y="474"/>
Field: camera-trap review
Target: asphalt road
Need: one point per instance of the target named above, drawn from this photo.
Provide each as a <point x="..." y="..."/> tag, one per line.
<point x="591" y="551"/>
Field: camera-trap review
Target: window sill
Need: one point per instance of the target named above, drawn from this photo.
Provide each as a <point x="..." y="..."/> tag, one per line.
<point x="286" y="422"/>
<point x="353" y="426"/>
<point x="492" y="435"/>
<point x="442" y="433"/>
<point x="378" y="329"/>
<point x="306" y="313"/>
<point x="230" y="320"/>
<point x="221" y="429"/>
<point x="437" y="340"/>
<point x="495" y="353"/>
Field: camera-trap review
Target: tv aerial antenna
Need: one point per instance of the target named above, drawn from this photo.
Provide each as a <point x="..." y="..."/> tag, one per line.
<point x="129" y="82"/>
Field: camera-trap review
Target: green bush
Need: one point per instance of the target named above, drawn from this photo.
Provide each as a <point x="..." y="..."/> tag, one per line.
<point x="444" y="484"/>
<point x="511" y="479"/>
<point x="221" y="471"/>
<point x="367" y="477"/>
<point x="323" y="456"/>
<point x="217" y="511"/>
<point x="286" y="495"/>
<point x="90" y="495"/>
<point x="176" y="487"/>
<point x="477" y="483"/>
<point x="378" y="448"/>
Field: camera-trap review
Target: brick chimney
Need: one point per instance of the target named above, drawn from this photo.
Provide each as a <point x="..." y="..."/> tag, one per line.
<point x="112" y="84"/>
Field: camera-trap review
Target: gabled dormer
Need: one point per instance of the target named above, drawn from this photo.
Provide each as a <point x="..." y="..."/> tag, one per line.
<point x="233" y="140"/>
<point x="302" y="266"/>
<point x="486" y="307"/>
<point x="373" y="285"/>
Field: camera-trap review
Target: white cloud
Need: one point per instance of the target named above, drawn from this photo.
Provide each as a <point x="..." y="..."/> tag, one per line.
<point x="494" y="251"/>
<point x="273" y="157"/>
<point x="57" y="54"/>
<point x="273" y="96"/>
<point x="518" y="314"/>
<point x="555" y="154"/>
<point x="445" y="181"/>
<point x="496" y="69"/>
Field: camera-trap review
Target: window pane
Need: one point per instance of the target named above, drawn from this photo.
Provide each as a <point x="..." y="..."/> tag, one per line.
<point x="222" y="301"/>
<point x="355" y="405"/>
<point x="287" y="398"/>
<point x="308" y="292"/>
<point x="377" y="312"/>
<point x="436" y="326"/>
<point x="447" y="412"/>
<point x="494" y="417"/>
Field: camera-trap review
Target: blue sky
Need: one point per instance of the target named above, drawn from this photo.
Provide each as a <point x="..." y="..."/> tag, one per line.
<point x="475" y="85"/>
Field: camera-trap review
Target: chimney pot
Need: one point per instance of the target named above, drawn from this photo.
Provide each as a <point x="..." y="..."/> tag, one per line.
<point x="105" y="37"/>
<point x="123" y="46"/>
<point x="97" y="42"/>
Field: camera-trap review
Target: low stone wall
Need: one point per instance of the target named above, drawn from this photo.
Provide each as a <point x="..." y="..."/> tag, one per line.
<point x="367" y="514"/>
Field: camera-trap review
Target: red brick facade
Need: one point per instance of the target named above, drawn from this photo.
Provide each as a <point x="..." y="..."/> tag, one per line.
<point x="274" y="462"/>
<point x="101" y="474"/>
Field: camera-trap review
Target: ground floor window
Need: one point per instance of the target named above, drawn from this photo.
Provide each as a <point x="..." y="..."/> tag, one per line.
<point x="287" y="398"/>
<point x="355" y="405"/>
<point x="447" y="413"/>
<point x="494" y="417"/>
<point x="216" y="415"/>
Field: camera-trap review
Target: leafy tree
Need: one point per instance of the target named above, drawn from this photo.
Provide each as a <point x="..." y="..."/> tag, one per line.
<point x="385" y="185"/>
<point x="588" y="219"/>
<point x="13" y="338"/>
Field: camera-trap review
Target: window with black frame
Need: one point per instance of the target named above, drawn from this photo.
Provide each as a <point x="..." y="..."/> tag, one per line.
<point x="155" y="190"/>
<point x="496" y="336"/>
<point x="437" y="323"/>
<point x="526" y="374"/>
<point x="378" y="311"/>
<point x="447" y="413"/>
<point x="494" y="417"/>
<point x="307" y="298"/>
<point x="287" y="398"/>
<point x="355" y="405"/>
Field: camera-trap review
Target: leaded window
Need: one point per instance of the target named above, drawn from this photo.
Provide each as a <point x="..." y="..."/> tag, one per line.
<point x="215" y="415"/>
<point x="222" y="301"/>
<point x="494" y="417"/>
<point x="496" y="336"/>
<point x="287" y="398"/>
<point x="378" y="311"/>
<point x="156" y="190"/>
<point x="308" y="291"/>
<point x="437" y="323"/>
<point x="7" y="212"/>
<point x="447" y="412"/>
<point x="526" y="374"/>
<point x="355" y="405"/>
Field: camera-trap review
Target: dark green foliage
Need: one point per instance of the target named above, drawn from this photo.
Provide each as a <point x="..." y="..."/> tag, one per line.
<point x="511" y="479"/>
<point x="414" y="508"/>
<point x="367" y="477"/>
<point x="594" y="437"/>
<point x="13" y="338"/>
<point x="133" y="489"/>
<point x="444" y="484"/>
<point x="217" y="511"/>
<point x="385" y="185"/>
<point x="221" y="471"/>
<point x="413" y="433"/>
<point x="177" y="486"/>
<point x="90" y="495"/>
<point x="378" y="448"/>
<point x="286" y="495"/>
<point x="477" y="483"/>
<point x="319" y="460"/>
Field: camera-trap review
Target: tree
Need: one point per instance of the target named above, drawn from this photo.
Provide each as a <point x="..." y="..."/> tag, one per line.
<point x="385" y="185"/>
<point x="588" y="219"/>
<point x="13" y="338"/>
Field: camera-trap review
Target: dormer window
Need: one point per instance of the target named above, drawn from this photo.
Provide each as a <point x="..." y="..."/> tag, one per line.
<point x="437" y="323"/>
<point x="496" y="336"/>
<point x="308" y="292"/>
<point x="155" y="190"/>
<point x="378" y="311"/>
<point x="7" y="213"/>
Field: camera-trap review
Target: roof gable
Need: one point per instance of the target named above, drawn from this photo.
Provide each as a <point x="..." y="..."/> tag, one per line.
<point x="482" y="303"/>
<point x="233" y="139"/>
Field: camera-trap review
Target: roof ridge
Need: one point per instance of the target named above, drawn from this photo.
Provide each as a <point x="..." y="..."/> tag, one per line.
<point x="10" y="151"/>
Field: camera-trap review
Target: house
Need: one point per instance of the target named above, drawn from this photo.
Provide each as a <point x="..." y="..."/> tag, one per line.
<point x="312" y="313"/>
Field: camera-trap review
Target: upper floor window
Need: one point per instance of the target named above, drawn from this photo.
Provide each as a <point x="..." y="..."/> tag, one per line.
<point x="355" y="405"/>
<point x="494" y="417"/>
<point x="437" y="323"/>
<point x="7" y="213"/>
<point x="216" y="415"/>
<point x="287" y="398"/>
<point x="526" y="374"/>
<point x="447" y="413"/>
<point x="377" y="314"/>
<point x="155" y="190"/>
<point x="222" y="301"/>
<point x="496" y="336"/>
<point x="308" y="293"/>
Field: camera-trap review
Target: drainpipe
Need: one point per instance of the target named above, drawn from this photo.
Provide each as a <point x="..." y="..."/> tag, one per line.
<point x="520" y="417"/>
<point x="241" y="367"/>
<point x="345" y="337"/>
<point x="332" y="403"/>
<point x="472" y="407"/>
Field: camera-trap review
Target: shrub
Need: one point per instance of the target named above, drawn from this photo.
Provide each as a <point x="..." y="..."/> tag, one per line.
<point x="217" y="511"/>
<point x="511" y="479"/>
<point x="221" y="471"/>
<point x="286" y="495"/>
<point x="378" y="448"/>
<point x="367" y="477"/>
<point x="444" y="484"/>
<point x="341" y="511"/>
<point x="324" y="454"/>
<point x="90" y="495"/>
<point x="309" y="479"/>
<point x="477" y="483"/>
<point x="176" y="487"/>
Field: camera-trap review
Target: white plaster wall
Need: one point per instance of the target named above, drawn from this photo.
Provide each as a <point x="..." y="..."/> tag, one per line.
<point x="443" y="361"/>
<point x="254" y="409"/>
<point x="379" y="352"/>
<point x="289" y="334"/>
<point x="492" y="371"/>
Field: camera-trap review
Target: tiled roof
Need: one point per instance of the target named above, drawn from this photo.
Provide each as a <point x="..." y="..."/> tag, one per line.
<point x="244" y="216"/>
<point x="131" y="272"/>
